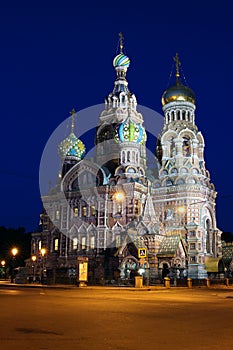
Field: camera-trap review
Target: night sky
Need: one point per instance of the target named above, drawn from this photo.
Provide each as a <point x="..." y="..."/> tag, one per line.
<point x="58" y="55"/>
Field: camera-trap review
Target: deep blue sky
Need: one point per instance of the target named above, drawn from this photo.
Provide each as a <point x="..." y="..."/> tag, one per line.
<point x="59" y="56"/>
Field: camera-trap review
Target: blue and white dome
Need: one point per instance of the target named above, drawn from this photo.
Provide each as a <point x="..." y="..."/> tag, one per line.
<point x="121" y="60"/>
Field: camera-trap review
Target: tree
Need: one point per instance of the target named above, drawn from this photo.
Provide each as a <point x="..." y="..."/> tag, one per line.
<point x="227" y="237"/>
<point x="11" y="237"/>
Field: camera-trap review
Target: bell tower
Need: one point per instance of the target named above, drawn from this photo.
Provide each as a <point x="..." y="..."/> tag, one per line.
<point x="184" y="193"/>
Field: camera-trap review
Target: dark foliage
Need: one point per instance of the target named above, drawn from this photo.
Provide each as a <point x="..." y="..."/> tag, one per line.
<point x="227" y="237"/>
<point x="10" y="238"/>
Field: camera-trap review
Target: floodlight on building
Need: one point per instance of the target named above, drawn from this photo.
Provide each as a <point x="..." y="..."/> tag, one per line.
<point x="119" y="196"/>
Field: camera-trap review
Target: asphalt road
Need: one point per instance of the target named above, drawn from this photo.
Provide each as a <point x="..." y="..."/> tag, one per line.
<point x="83" y="319"/>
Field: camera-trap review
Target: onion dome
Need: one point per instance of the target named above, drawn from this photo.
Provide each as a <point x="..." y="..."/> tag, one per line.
<point x="72" y="146"/>
<point x="121" y="60"/>
<point x="129" y="131"/>
<point x="178" y="92"/>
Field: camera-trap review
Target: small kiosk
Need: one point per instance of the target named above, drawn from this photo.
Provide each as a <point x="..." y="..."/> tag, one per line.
<point x="82" y="271"/>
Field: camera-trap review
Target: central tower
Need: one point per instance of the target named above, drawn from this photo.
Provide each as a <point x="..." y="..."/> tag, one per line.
<point x="120" y="137"/>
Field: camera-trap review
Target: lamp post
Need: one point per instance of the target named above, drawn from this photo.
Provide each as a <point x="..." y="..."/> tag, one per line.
<point x="3" y="264"/>
<point x="14" y="252"/>
<point x="33" y="267"/>
<point x="43" y="252"/>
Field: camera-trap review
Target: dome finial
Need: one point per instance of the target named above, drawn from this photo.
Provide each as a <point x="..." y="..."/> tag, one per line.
<point x="121" y="38"/>
<point x="72" y="113"/>
<point x="121" y="61"/>
<point x="177" y="60"/>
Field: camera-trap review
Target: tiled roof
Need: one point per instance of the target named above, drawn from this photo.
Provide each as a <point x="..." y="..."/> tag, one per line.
<point x="137" y="240"/>
<point x="227" y="253"/>
<point x="169" y="246"/>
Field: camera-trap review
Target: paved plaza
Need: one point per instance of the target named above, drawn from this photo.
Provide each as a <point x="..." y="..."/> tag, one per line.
<point x="45" y="318"/>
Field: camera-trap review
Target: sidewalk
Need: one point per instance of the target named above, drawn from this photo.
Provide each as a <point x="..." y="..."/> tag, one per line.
<point x="8" y="284"/>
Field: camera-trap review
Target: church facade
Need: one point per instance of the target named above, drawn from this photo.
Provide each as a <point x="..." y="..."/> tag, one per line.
<point x="125" y="219"/>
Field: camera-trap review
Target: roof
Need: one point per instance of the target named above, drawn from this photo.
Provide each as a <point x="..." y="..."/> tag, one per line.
<point x="137" y="240"/>
<point x="227" y="252"/>
<point x="169" y="245"/>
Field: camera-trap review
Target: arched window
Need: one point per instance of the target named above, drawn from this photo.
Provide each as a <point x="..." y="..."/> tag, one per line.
<point x="83" y="242"/>
<point x="169" y="183"/>
<point x="174" y="171"/>
<point x="92" y="242"/>
<point x="118" y="241"/>
<point x="75" y="243"/>
<point x="128" y="156"/>
<point x="123" y="156"/>
<point x="180" y="182"/>
<point x="195" y="171"/>
<point x="84" y="211"/>
<point x="92" y="209"/>
<point x="56" y="244"/>
<point x="164" y="173"/>
<point x="57" y="215"/>
<point x="173" y="148"/>
<point x="133" y="156"/>
<point x="183" y="171"/>
<point x="208" y="232"/>
<point x="186" y="147"/>
<point x="191" y="180"/>
<point x="131" y="170"/>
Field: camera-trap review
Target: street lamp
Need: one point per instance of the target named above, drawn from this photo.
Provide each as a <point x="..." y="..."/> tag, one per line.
<point x="33" y="267"/>
<point x="3" y="264"/>
<point x="43" y="252"/>
<point x="14" y="252"/>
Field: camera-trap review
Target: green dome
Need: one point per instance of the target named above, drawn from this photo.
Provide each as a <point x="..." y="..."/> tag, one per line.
<point x="129" y="131"/>
<point x="71" y="147"/>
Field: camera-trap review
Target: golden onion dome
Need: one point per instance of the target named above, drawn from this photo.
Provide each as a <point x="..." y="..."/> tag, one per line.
<point x="178" y="92"/>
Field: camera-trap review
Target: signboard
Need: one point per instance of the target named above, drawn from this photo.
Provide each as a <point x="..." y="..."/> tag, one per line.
<point x="142" y="252"/>
<point x="82" y="269"/>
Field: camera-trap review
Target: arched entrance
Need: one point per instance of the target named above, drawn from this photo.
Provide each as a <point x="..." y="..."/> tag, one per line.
<point x="129" y="267"/>
<point x="165" y="270"/>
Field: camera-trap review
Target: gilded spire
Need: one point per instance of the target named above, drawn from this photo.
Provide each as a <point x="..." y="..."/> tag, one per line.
<point x="121" y="38"/>
<point x="72" y="113"/>
<point x="121" y="60"/>
<point x="177" y="60"/>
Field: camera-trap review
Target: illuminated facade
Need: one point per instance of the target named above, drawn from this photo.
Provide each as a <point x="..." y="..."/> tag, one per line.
<point x="109" y="207"/>
<point x="183" y="193"/>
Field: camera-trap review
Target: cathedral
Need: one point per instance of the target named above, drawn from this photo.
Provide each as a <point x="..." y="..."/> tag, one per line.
<point x="118" y="214"/>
